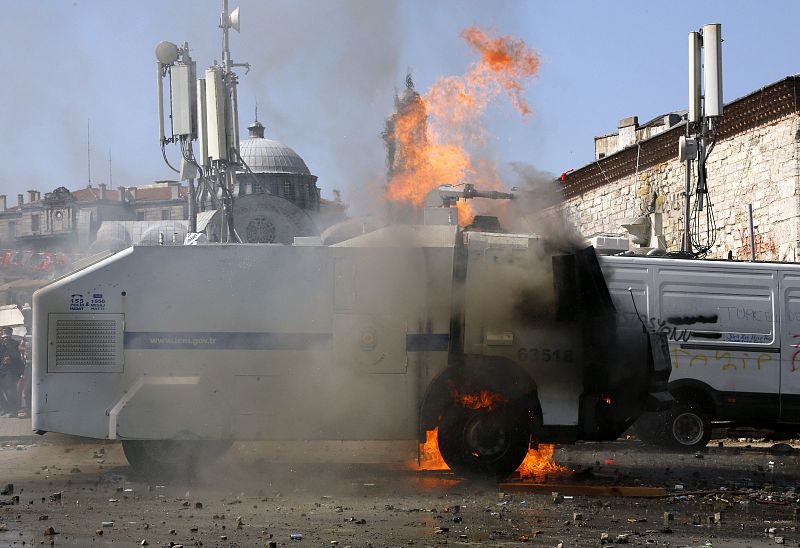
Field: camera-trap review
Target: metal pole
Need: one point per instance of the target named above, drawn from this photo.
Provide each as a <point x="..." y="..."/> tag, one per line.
<point x="752" y="233"/>
<point x="687" y="242"/>
<point x="192" y="207"/>
<point x="226" y="53"/>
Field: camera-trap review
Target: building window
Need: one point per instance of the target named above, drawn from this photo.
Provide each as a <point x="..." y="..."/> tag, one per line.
<point x="35" y="224"/>
<point x="165" y="215"/>
<point x="12" y="229"/>
<point x="287" y="189"/>
<point x="258" y="188"/>
<point x="140" y="215"/>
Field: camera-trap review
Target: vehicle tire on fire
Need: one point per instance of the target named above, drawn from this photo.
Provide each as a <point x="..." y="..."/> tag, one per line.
<point x="485" y="442"/>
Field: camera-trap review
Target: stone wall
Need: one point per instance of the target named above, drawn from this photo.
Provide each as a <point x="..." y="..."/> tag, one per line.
<point x="759" y="166"/>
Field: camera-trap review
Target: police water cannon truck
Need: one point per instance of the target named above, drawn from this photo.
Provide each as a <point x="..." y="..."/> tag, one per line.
<point x="178" y="350"/>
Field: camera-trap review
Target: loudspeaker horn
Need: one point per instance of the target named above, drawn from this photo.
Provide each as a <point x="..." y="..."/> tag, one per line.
<point x="233" y="18"/>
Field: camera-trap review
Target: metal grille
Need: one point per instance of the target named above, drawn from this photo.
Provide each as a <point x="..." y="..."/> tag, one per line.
<point x="85" y="342"/>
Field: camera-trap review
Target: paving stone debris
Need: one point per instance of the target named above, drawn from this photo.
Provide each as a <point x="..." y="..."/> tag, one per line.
<point x="725" y="499"/>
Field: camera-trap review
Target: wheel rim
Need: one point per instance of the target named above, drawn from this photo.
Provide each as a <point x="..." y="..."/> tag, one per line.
<point x="486" y="437"/>
<point x="688" y="428"/>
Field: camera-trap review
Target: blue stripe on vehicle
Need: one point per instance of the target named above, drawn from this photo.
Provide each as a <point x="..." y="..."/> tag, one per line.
<point x="427" y="342"/>
<point x="213" y="340"/>
<point x="150" y="340"/>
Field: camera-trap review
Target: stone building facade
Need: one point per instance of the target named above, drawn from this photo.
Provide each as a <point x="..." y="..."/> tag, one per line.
<point x="67" y="221"/>
<point x="755" y="160"/>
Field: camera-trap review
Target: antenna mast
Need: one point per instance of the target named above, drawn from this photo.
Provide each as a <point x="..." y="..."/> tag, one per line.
<point x="705" y="108"/>
<point x="205" y="110"/>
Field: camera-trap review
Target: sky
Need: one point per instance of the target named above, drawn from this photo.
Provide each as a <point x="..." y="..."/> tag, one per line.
<point x="324" y="74"/>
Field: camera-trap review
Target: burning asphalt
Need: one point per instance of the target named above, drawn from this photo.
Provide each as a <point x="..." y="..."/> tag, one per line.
<point x="73" y="492"/>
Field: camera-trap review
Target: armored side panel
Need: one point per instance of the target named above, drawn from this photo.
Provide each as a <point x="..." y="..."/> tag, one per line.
<point x="246" y="341"/>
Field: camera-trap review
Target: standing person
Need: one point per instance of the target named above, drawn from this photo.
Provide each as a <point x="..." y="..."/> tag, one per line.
<point x="10" y="371"/>
<point x="24" y="390"/>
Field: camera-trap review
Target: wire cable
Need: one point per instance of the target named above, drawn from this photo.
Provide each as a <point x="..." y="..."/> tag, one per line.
<point x="164" y="154"/>
<point x="701" y="246"/>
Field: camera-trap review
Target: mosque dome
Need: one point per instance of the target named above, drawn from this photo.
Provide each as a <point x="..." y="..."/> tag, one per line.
<point x="269" y="156"/>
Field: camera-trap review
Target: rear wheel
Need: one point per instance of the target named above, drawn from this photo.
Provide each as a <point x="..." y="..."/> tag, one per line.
<point x="688" y="426"/>
<point x="172" y="457"/>
<point x="489" y="443"/>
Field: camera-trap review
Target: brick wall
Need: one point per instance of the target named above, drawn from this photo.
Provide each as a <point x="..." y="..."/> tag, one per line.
<point x="759" y="166"/>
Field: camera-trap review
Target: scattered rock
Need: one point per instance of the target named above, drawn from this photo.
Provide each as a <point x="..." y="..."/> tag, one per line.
<point x="49" y="531"/>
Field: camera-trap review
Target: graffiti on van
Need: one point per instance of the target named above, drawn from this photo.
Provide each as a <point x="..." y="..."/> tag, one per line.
<point x="747" y="314"/>
<point x="796" y="354"/>
<point x="725" y="361"/>
<point x="659" y="326"/>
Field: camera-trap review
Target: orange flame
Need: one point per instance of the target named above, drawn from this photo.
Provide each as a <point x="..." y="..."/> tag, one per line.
<point x="429" y="456"/>
<point x="432" y="134"/>
<point x="539" y="461"/>
<point x="482" y="400"/>
<point x="465" y="213"/>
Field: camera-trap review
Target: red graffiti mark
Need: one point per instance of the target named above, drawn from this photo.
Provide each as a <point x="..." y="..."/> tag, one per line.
<point x="796" y="354"/>
<point x="762" y="244"/>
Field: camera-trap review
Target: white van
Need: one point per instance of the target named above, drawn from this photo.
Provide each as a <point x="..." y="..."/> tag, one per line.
<point x="734" y="336"/>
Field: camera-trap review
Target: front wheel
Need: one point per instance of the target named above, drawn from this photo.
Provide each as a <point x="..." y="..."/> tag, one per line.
<point x="688" y="427"/>
<point x="489" y="443"/>
<point x="171" y="457"/>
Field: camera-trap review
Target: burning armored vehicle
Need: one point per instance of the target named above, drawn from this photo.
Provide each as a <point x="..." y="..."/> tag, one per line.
<point x="498" y="340"/>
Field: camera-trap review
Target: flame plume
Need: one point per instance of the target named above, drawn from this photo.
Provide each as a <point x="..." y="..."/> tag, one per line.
<point x="431" y="135"/>
<point x="539" y="461"/>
